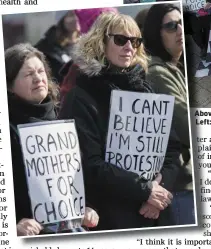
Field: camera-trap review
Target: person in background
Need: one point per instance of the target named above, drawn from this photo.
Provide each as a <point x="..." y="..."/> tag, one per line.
<point x="197" y="24"/>
<point x="140" y="18"/>
<point x="111" y="56"/>
<point x="58" y="41"/>
<point x="32" y="97"/>
<point x="86" y="18"/>
<point x="164" y="22"/>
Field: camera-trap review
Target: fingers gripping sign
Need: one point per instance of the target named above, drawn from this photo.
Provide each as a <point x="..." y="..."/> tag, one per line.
<point x="159" y="197"/>
<point x="27" y="227"/>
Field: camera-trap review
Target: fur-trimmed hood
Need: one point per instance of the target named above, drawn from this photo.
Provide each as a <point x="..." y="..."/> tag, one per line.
<point x="85" y="69"/>
<point x="89" y="66"/>
<point x="131" y="79"/>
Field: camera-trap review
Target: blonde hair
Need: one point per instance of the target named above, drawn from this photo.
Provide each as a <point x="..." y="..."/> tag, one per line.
<point x="94" y="42"/>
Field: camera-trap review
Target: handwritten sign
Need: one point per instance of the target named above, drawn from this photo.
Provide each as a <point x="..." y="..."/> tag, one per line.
<point x="191" y="5"/>
<point x="138" y="133"/>
<point x="53" y="170"/>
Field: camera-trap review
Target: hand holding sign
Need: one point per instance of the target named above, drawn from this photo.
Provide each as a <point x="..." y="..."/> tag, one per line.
<point x="149" y="211"/>
<point x="207" y="6"/>
<point x="191" y="5"/>
<point x="91" y="218"/>
<point x="28" y="227"/>
<point x="159" y="197"/>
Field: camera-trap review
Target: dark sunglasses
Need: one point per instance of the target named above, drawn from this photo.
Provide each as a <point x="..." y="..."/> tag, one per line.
<point x="121" y="40"/>
<point x="171" y="26"/>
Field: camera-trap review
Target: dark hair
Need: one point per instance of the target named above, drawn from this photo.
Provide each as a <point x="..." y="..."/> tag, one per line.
<point x="15" y="57"/>
<point x="152" y="27"/>
<point x="62" y="33"/>
<point x="141" y="17"/>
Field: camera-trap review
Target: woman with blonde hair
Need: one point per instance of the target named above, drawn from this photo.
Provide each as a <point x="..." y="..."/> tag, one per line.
<point x="111" y="56"/>
<point x="86" y="18"/>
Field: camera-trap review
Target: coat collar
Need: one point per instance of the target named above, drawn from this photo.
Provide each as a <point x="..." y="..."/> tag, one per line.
<point x="157" y="61"/>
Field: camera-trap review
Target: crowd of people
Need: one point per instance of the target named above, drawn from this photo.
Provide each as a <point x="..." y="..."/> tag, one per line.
<point x="70" y="74"/>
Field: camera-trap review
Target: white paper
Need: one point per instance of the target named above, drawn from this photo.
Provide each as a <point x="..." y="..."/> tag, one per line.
<point x="138" y="132"/>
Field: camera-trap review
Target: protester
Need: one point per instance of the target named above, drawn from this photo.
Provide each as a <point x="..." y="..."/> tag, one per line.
<point x="111" y="56"/>
<point x="58" y="41"/>
<point x="32" y="97"/>
<point x="164" y="22"/>
<point x="86" y="18"/>
<point x="140" y="18"/>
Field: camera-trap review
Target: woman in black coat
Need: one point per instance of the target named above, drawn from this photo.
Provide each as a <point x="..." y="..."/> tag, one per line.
<point x="32" y="97"/>
<point x="111" y="56"/>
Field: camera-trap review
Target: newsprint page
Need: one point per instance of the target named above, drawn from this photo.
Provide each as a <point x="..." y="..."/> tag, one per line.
<point x="105" y="116"/>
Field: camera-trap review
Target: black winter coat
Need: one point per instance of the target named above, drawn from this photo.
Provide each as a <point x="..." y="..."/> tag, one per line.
<point x="115" y="193"/>
<point x="22" y="112"/>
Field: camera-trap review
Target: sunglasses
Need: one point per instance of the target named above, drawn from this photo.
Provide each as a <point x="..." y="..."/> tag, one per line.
<point x="121" y="40"/>
<point x="171" y="26"/>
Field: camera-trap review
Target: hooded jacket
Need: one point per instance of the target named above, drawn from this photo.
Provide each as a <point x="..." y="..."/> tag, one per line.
<point x="115" y="193"/>
<point x="168" y="79"/>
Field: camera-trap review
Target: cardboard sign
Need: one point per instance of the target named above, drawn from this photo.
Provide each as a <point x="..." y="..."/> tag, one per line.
<point x="192" y="5"/>
<point x="53" y="170"/>
<point x="138" y="133"/>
